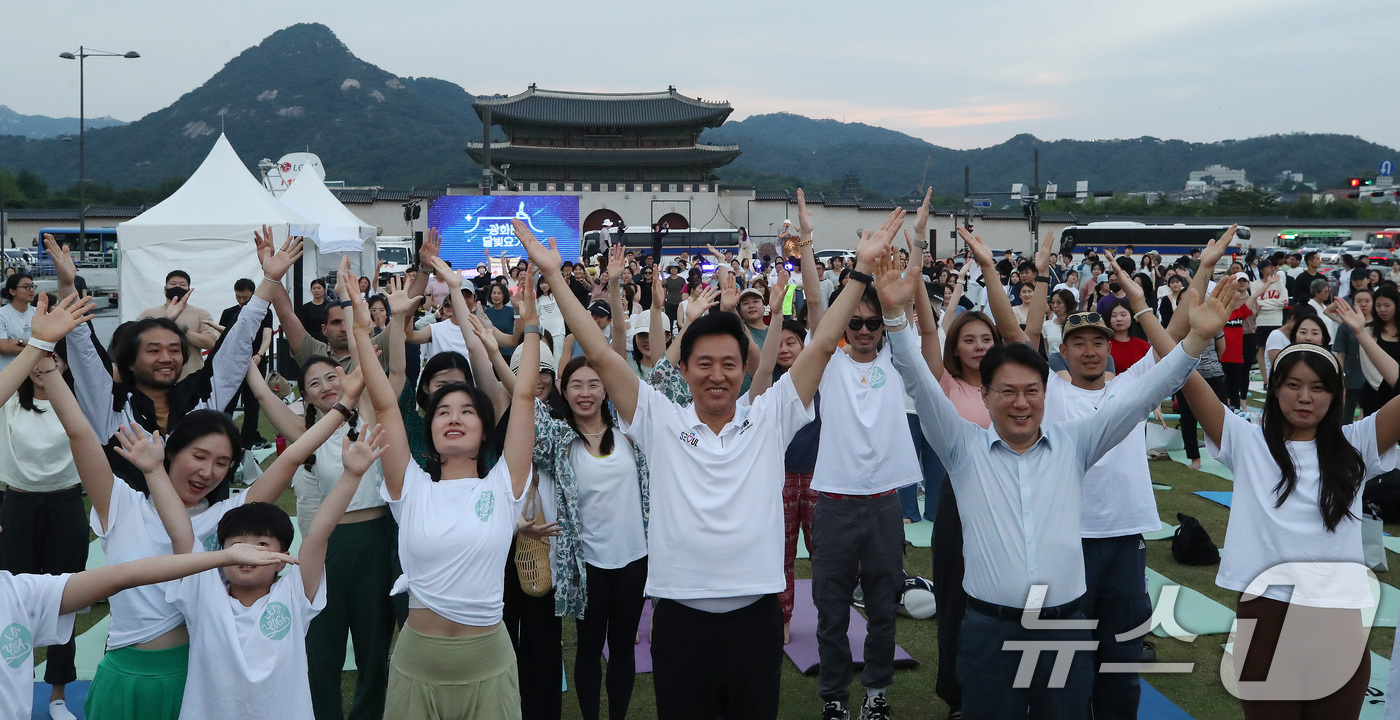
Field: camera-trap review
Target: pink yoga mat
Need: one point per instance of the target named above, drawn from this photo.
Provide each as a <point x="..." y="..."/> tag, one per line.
<point x="803" y="648"/>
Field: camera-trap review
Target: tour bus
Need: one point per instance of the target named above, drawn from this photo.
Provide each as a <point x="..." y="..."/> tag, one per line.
<point x="673" y="243"/>
<point x="1384" y="239"/>
<point x="1313" y="237"/>
<point x="97" y="249"/>
<point x="1169" y="241"/>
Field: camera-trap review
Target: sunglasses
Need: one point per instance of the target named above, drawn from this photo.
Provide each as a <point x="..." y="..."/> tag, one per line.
<point x="1078" y="319"/>
<point x="871" y="324"/>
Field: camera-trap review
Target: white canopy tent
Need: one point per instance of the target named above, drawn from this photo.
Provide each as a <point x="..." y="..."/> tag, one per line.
<point x="206" y="229"/>
<point x="340" y="232"/>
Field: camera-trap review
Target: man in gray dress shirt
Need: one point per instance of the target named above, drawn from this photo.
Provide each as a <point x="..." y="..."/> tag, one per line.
<point x="1018" y="486"/>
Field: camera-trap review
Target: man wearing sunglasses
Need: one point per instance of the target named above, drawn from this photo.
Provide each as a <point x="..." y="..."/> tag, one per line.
<point x="865" y="454"/>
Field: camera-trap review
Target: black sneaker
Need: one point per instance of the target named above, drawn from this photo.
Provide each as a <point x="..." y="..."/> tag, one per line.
<point x="1149" y="651"/>
<point x="835" y="711"/>
<point x="875" y="709"/>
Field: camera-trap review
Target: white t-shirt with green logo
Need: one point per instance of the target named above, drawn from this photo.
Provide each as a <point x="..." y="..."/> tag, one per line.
<point x="246" y="662"/>
<point x="454" y="536"/>
<point x="28" y="619"/>
<point x="866" y="447"/>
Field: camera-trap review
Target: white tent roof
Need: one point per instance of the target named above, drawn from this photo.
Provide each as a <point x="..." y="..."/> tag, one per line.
<point x="206" y="229"/>
<point x="220" y="200"/>
<point x="339" y="229"/>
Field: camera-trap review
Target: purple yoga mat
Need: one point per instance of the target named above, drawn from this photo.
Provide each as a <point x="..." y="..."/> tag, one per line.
<point x="802" y="651"/>
<point x="803" y="648"/>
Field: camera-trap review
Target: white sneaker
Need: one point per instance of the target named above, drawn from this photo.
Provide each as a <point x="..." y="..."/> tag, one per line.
<point x="58" y="710"/>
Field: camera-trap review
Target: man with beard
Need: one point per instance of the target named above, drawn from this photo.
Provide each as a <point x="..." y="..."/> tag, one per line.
<point x="149" y="357"/>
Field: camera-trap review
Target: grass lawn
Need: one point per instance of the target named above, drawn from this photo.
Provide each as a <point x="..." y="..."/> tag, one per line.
<point x="1199" y="693"/>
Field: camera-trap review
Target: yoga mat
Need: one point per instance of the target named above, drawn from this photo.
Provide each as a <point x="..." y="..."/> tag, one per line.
<point x="1160" y="486"/>
<point x="1208" y="464"/>
<point x="643" y="648"/>
<point x="1222" y="497"/>
<point x="74" y="695"/>
<point x="802" y="553"/>
<point x="1388" y="611"/>
<point x="1153" y="705"/>
<point x="1191" y="614"/>
<point x="802" y="651"/>
<point x="919" y="534"/>
<point x="1163" y="533"/>
<point x="1392" y="544"/>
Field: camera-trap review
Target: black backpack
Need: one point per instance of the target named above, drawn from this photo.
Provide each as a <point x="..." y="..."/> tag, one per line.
<point x="1383" y="491"/>
<point x="1191" y="545"/>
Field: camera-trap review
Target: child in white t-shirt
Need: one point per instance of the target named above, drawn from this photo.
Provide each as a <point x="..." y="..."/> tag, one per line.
<point x="248" y="625"/>
<point x="38" y="610"/>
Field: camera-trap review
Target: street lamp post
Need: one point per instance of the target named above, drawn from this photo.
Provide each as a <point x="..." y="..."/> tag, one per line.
<point x="83" y="54"/>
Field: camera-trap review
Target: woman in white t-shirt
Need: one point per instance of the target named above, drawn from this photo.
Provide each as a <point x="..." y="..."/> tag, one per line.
<point x="359" y="554"/>
<point x="550" y="318"/>
<point x="456" y="520"/>
<point x="15" y="315"/>
<point x="1293" y="545"/>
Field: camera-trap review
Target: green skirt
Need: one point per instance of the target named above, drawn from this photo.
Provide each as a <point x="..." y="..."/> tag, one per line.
<point x="466" y="678"/>
<point x="135" y="684"/>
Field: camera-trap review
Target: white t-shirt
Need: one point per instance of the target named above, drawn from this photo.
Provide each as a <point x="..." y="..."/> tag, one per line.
<point x="1261" y="536"/>
<point x="1276" y="341"/>
<point x="454" y="536"/>
<point x="552" y="319"/>
<point x="1271" y="302"/>
<point x="134" y="531"/>
<point x="14" y="325"/>
<point x="29" y="618"/>
<point x="609" y="505"/>
<point x="329" y="467"/>
<point x="865" y="445"/>
<point x="1054" y="334"/>
<point x="35" y="455"/>
<point x="1116" y="497"/>
<point x="446" y="336"/>
<point x="246" y="662"/>
<point x="716" y="527"/>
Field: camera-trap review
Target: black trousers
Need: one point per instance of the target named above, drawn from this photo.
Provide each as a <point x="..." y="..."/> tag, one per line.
<point x="1115" y="594"/>
<point x="1187" y="423"/>
<point x="613" y="613"/>
<point x="948" y="591"/>
<point x="536" y="632"/>
<point x="1236" y="384"/>
<point x="46" y="533"/>
<point x="710" y="664"/>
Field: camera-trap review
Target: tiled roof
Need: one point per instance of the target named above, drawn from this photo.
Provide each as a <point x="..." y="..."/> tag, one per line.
<point x="71" y="214"/>
<point x="707" y="155"/>
<point x="355" y="197"/>
<point x="394" y="195"/>
<point x="552" y="107"/>
<point x="773" y="195"/>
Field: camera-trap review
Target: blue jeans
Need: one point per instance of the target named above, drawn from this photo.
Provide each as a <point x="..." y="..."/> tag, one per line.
<point x="933" y="471"/>
<point x="986" y="672"/>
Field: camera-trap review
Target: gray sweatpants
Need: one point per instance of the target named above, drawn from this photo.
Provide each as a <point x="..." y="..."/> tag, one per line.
<point x="856" y="540"/>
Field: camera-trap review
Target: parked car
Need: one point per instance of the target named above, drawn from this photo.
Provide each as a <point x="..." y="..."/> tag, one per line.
<point x="1331" y="255"/>
<point x="18" y="259"/>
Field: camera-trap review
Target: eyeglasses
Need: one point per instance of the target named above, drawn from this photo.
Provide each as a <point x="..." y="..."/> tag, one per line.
<point x="871" y="324"/>
<point x="1009" y="395"/>
<point x="25" y="286"/>
<point x="1078" y="319"/>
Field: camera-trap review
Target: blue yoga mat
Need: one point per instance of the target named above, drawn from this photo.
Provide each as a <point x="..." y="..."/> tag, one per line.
<point x="1154" y="705"/>
<point x="75" y="694"/>
<point x="1222" y="497"/>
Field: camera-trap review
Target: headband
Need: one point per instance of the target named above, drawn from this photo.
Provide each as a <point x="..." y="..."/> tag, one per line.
<point x="1309" y="347"/>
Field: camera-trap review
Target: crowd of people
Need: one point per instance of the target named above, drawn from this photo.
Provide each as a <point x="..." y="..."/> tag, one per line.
<point x="478" y="456"/>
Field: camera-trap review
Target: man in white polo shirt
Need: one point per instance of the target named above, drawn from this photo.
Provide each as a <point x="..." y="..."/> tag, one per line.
<point x="716" y="535"/>
<point x="1019" y="485"/>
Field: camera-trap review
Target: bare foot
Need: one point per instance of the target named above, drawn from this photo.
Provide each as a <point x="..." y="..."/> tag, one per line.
<point x="1196" y="464"/>
<point x="787" y="633"/>
<point x="638" y="641"/>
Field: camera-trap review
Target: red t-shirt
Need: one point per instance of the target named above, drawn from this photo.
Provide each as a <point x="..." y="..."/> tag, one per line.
<point x="1127" y="352"/>
<point x="1234" y="335"/>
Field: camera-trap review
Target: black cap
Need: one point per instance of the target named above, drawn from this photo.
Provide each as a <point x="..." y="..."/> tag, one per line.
<point x="600" y="309"/>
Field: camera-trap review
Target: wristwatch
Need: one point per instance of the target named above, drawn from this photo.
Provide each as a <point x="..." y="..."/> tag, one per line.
<point x="536" y="329"/>
<point x="920" y="243"/>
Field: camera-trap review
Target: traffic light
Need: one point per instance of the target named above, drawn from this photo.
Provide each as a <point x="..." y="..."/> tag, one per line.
<point x="1354" y="182"/>
<point x="1360" y="182"/>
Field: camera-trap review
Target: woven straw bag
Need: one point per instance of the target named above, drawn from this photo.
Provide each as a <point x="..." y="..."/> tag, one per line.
<point x="532" y="554"/>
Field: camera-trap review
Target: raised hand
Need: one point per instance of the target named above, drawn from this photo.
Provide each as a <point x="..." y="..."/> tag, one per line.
<point x="1348" y="315"/>
<point x="445" y="274"/>
<point x="701" y="304"/>
<point x="547" y="259"/>
<point x="616" y="262"/>
<point x="804" y="216"/>
<point x="275" y="265"/>
<point x="173" y="308"/>
<point x="52" y="324"/>
<point x="63" y="265"/>
<point x="728" y="294"/>
<point x="981" y="254"/>
<point x="484" y="334"/>
<point x="1215" y="249"/>
<point x="875" y="245"/>
<point x="921" y="217"/>
<point x="359" y="455"/>
<point x="351" y="386"/>
<point x="1211" y="314"/>
<point x="1046" y="251"/>
<point x="400" y="302"/>
<point x="894" y="286"/>
<point x="252" y="555"/>
<point x="529" y="314"/>
<point x="778" y="292"/>
<point x="140" y="448"/>
<point x="432" y="245"/>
